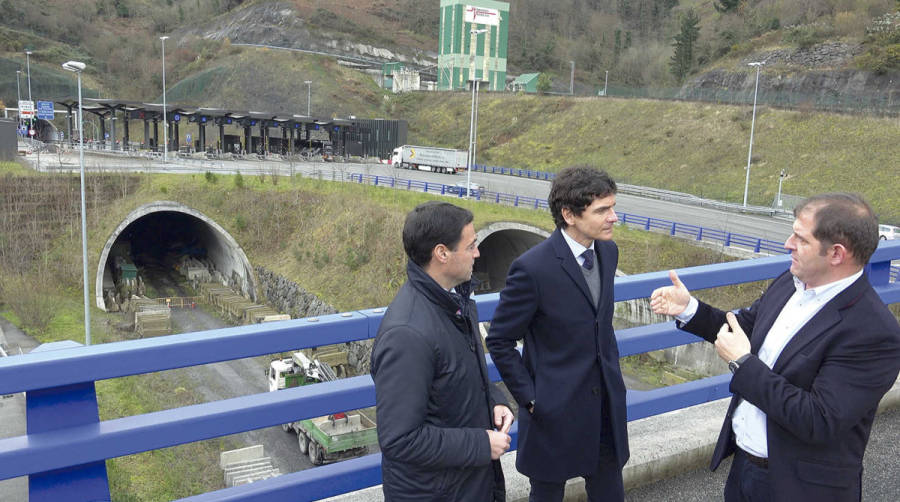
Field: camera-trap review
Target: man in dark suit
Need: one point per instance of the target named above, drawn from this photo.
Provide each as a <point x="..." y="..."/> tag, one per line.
<point x="823" y="349"/>
<point x="559" y="299"/>
<point x="442" y="425"/>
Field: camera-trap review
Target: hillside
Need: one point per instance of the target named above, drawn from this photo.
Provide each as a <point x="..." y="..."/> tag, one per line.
<point x="814" y="54"/>
<point x="631" y="39"/>
<point x="690" y="147"/>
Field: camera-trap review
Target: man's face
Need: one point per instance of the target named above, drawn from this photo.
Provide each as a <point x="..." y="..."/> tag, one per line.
<point x="808" y="261"/>
<point x="595" y="222"/>
<point x="462" y="259"/>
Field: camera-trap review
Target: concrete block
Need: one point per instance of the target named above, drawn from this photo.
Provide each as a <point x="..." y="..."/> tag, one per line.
<point x="248" y="453"/>
<point x="250" y="479"/>
<point x="230" y="477"/>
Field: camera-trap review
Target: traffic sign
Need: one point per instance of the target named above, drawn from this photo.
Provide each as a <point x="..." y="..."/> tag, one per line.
<point x="187" y="138"/>
<point x="26" y="109"/>
<point x="31" y="132"/>
<point x="45" y="110"/>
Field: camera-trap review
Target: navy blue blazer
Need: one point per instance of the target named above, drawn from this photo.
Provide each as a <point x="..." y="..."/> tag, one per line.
<point x="569" y="363"/>
<point x="821" y="395"/>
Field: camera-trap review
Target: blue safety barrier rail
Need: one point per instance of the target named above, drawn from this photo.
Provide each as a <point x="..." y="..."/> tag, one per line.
<point x="66" y="447"/>
<point x="756" y="244"/>
<point x="509" y="171"/>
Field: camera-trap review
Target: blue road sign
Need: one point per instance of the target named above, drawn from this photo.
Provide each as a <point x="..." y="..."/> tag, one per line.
<point x="45" y="110"/>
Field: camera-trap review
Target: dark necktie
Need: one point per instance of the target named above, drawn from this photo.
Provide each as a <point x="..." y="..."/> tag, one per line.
<point x="588" y="259"/>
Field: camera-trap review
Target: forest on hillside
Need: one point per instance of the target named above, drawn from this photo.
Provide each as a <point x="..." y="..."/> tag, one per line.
<point x="641" y="42"/>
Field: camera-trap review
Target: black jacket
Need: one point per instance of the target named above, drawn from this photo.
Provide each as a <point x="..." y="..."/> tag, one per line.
<point x="434" y="400"/>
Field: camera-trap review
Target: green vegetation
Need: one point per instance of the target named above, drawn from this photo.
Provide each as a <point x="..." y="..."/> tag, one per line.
<point x="683" y="59"/>
<point x="696" y="148"/>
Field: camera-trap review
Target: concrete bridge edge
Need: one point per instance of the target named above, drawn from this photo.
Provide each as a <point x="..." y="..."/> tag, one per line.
<point x="662" y="446"/>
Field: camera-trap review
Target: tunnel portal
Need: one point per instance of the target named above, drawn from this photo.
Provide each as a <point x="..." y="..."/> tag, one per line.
<point x="501" y="243"/>
<point x="159" y="238"/>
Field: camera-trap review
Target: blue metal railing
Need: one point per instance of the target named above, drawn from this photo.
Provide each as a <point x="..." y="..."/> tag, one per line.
<point x="756" y="244"/>
<point x="66" y="446"/>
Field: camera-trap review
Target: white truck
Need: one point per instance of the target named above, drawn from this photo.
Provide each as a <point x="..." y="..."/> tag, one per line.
<point x="324" y="439"/>
<point x="427" y="158"/>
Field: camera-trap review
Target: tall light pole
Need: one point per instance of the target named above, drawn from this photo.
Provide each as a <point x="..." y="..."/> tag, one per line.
<point x="28" y="68"/>
<point x="473" y="132"/>
<point x="572" y="79"/>
<point x="78" y="67"/>
<point x="752" y="125"/>
<point x="778" y="203"/>
<point x="18" y="98"/>
<point x="165" y="122"/>
<point x="308" y="94"/>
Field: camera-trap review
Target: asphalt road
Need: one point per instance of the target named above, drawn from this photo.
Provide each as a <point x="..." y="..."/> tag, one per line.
<point x="240" y="377"/>
<point x="752" y="225"/>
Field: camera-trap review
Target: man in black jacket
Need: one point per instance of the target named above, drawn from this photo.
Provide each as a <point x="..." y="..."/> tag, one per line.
<point x="442" y="425"/>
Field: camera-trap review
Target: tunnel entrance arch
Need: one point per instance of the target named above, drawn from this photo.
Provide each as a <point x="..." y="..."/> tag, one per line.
<point x="173" y="227"/>
<point x="500" y="244"/>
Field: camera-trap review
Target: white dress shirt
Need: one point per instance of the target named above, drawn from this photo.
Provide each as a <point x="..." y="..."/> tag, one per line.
<point x="576" y="247"/>
<point x="748" y="421"/>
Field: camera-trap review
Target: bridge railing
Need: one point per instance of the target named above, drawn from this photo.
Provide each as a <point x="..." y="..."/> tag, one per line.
<point x="65" y="449"/>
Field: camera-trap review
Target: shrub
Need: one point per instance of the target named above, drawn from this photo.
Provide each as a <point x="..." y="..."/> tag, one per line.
<point x="808" y="35"/>
<point x="210" y="177"/>
<point x="238" y="180"/>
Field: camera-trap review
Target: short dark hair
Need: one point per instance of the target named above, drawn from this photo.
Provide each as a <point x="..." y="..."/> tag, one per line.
<point x="432" y="223"/>
<point x="576" y="188"/>
<point x="843" y="218"/>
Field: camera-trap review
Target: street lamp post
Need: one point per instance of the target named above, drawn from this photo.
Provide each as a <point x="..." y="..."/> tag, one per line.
<point x="473" y="131"/>
<point x="165" y="121"/>
<point x="778" y="203"/>
<point x="572" y="79"/>
<point x="28" y="68"/>
<point x="78" y="67"/>
<point x="18" y="98"/>
<point x="752" y="126"/>
<point x="308" y="95"/>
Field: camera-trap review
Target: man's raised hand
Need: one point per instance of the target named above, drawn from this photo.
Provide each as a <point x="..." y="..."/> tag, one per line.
<point x="670" y="300"/>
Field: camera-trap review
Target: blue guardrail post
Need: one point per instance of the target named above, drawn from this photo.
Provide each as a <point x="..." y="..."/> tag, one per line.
<point x="64" y="407"/>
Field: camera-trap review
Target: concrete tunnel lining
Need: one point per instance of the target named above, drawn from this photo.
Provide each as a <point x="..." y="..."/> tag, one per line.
<point x="500" y="243"/>
<point x="224" y="251"/>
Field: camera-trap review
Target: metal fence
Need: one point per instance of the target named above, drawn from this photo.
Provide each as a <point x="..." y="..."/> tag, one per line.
<point x="66" y="447"/>
<point x="698" y="233"/>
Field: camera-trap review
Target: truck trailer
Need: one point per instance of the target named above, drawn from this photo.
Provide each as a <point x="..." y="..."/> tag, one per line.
<point x="324" y="439"/>
<point x="427" y="158"/>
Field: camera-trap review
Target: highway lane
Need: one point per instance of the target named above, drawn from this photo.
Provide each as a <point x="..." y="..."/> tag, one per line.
<point x="755" y="226"/>
<point x="752" y="225"/>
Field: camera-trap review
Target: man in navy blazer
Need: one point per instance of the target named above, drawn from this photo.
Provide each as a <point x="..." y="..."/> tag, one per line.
<point x="558" y="298"/>
<point x="823" y="350"/>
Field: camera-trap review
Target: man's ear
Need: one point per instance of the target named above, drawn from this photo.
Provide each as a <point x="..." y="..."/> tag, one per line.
<point x="839" y="255"/>
<point x="440" y="253"/>
<point x="568" y="216"/>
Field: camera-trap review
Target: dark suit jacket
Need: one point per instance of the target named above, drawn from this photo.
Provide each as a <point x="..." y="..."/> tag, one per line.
<point x="569" y="362"/>
<point x="820" y="398"/>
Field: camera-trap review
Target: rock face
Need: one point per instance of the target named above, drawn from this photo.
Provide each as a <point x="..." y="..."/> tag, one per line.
<point x="278" y="24"/>
<point x="821" y="75"/>
<point x="289" y="297"/>
<point x="826" y="55"/>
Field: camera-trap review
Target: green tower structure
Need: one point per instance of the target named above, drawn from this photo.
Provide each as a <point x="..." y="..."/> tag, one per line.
<point x="462" y="51"/>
